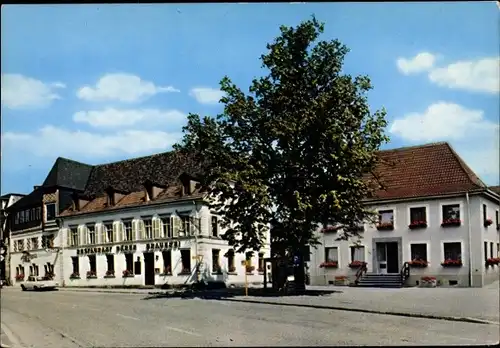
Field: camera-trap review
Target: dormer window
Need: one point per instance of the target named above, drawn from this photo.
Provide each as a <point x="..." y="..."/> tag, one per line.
<point x="152" y="190"/>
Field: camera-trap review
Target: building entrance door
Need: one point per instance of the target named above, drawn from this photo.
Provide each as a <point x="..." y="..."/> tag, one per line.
<point x="149" y="269"/>
<point x="387" y="257"/>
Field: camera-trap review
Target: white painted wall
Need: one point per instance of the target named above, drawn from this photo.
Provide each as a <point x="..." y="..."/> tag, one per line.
<point x="434" y="236"/>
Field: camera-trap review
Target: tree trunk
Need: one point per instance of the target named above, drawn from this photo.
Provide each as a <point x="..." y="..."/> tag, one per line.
<point x="299" y="275"/>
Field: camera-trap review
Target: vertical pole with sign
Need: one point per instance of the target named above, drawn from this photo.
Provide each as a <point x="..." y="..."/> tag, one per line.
<point x="245" y="264"/>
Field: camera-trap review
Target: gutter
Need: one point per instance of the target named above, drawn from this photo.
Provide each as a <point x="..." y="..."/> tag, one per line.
<point x="420" y="198"/>
<point x="469" y="235"/>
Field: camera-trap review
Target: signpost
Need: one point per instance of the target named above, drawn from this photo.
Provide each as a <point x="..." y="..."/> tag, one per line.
<point x="245" y="264"/>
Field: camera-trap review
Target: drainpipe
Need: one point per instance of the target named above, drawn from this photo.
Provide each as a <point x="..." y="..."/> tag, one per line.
<point x="59" y="222"/>
<point x="469" y="235"/>
<point x="196" y="241"/>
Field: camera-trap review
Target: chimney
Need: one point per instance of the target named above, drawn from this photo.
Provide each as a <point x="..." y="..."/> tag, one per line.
<point x="36" y="187"/>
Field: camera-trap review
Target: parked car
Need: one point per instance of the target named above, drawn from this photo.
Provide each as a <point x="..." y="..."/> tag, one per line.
<point x="38" y="283"/>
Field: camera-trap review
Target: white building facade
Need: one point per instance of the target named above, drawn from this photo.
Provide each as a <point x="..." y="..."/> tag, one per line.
<point x="172" y="243"/>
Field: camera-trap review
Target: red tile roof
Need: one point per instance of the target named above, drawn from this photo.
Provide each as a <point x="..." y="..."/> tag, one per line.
<point x="425" y="170"/>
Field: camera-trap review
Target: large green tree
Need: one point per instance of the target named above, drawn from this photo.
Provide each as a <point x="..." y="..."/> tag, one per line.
<point x="293" y="152"/>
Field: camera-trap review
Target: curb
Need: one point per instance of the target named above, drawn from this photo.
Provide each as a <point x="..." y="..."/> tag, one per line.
<point x="360" y="310"/>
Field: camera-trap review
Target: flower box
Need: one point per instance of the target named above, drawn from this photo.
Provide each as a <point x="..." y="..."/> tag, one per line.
<point x="418" y="263"/>
<point x="127" y="274"/>
<point x="20" y="277"/>
<point x="249" y="269"/>
<point x="357" y="264"/>
<point x="329" y="264"/>
<point x="417" y="224"/>
<point x="330" y="229"/>
<point x="386" y="226"/>
<point x="91" y="275"/>
<point x="428" y="282"/>
<point x="492" y="261"/>
<point x="488" y="222"/>
<point x="341" y="280"/>
<point x="451" y="222"/>
<point x="451" y="263"/>
<point x="74" y="276"/>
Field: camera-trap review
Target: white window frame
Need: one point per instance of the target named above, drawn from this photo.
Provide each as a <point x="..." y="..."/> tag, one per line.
<point x="427" y="249"/>
<point x="108" y="230"/>
<point x="461" y="210"/>
<point x="338" y="253"/>
<point x="462" y="250"/>
<point x="125" y="236"/>
<point x="365" y="249"/>
<point x="168" y="233"/>
<point x="91" y="229"/>
<point x="394" y="215"/>
<point x="145" y="222"/>
<point x="427" y="213"/>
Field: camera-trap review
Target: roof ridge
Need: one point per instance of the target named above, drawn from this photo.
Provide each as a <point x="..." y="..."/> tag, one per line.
<point x="72" y="160"/>
<point x="416" y="146"/>
<point x="466" y="169"/>
<point x="133" y="158"/>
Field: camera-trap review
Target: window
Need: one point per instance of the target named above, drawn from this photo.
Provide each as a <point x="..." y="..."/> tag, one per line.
<point x="261" y="262"/>
<point x="216" y="261"/>
<point x="16" y="218"/>
<point x="498" y="249"/>
<point x="418" y="214"/>
<point x="74" y="236"/>
<point x="38" y="213"/>
<point x="496" y="219"/>
<point x="451" y="212"/>
<point x="485" y="251"/>
<point x="230" y="261"/>
<point x="186" y="225"/>
<point x="20" y="245"/>
<point x="108" y="227"/>
<point x="110" y="261"/>
<point x="485" y="213"/>
<point x="91" y="231"/>
<point x="492" y="245"/>
<point x="332" y="254"/>
<point x="28" y="244"/>
<point x="27" y="215"/>
<point x="32" y="214"/>
<point x="128" y="232"/>
<point x="248" y="258"/>
<point x="76" y="265"/>
<point x="215" y="226"/>
<point x="48" y="241"/>
<point x="452" y="251"/>
<point x="34" y="243"/>
<point x="167" y="261"/>
<point x="166" y="227"/>
<point x="148" y="228"/>
<point x="92" y="263"/>
<point x="186" y="261"/>
<point x="129" y="262"/>
<point x="21" y="217"/>
<point x="50" y="211"/>
<point x="358" y="253"/>
<point x="386" y="217"/>
<point x="418" y="252"/>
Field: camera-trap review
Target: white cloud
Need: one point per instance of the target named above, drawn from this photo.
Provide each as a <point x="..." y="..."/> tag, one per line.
<point x="51" y="140"/>
<point x="205" y="95"/>
<point x="122" y="87"/>
<point x="482" y="75"/>
<point x="110" y="118"/>
<point x="421" y="62"/>
<point x="21" y="92"/>
<point x="475" y="138"/>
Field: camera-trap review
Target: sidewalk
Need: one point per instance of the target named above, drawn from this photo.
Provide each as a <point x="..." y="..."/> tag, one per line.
<point x="458" y="304"/>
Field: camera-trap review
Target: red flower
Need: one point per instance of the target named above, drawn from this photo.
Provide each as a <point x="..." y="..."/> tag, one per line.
<point x="330" y="229"/>
<point x="357" y="263"/>
<point x="329" y="264"/>
<point x="447" y="222"/>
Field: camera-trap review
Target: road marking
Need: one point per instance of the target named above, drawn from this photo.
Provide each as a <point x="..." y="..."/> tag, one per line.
<point x="10" y="335"/>
<point x="126" y="316"/>
<point x="182" y="331"/>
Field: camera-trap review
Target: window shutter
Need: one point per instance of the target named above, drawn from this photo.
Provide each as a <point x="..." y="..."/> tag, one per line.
<point x="156" y="228"/>
<point x="102" y="234"/>
<point x="121" y="230"/>
<point x="135" y="229"/>
<point x="68" y="237"/>
<point x="175" y="226"/>
<point x="142" y="229"/>
<point x="116" y="232"/>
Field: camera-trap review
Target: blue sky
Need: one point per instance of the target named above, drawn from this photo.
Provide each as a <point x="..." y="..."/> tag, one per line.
<point x="99" y="83"/>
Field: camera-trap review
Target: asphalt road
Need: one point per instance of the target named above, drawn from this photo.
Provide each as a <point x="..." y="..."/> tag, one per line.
<point x="86" y="319"/>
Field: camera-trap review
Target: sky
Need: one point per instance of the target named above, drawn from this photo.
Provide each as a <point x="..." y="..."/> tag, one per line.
<point x="101" y="83"/>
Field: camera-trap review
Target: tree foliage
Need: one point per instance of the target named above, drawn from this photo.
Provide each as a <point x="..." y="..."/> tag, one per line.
<point x="293" y="151"/>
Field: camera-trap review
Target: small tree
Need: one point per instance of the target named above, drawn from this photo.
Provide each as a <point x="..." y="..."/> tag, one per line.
<point x="294" y="151"/>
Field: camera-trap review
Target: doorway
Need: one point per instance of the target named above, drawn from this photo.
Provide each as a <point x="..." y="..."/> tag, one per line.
<point x="387" y="257"/>
<point x="149" y="269"/>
